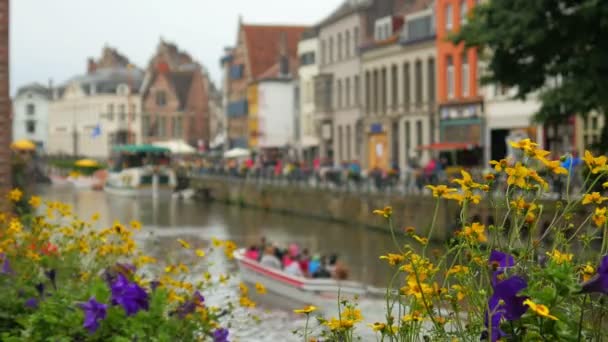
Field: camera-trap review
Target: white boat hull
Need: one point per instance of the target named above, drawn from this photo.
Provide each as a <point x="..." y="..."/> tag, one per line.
<point x="146" y="191"/>
<point x="304" y="290"/>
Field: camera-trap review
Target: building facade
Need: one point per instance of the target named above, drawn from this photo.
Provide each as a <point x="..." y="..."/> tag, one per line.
<point x="5" y="99"/>
<point x="176" y="102"/>
<point x="256" y="51"/>
<point x="399" y="80"/>
<point x="30" y="114"/>
<point x="461" y="117"/>
<point x="309" y="130"/>
<point x="92" y="113"/>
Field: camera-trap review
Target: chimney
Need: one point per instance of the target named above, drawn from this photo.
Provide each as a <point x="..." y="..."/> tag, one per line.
<point x="283" y="55"/>
<point x="91" y="66"/>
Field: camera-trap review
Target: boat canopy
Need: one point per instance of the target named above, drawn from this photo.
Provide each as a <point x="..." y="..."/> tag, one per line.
<point x="145" y="148"/>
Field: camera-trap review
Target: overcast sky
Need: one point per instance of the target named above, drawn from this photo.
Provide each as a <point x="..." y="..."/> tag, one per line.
<point x="51" y="39"/>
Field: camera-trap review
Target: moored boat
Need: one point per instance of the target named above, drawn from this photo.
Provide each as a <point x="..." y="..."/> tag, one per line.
<point x="141" y="170"/>
<point x="305" y="290"/>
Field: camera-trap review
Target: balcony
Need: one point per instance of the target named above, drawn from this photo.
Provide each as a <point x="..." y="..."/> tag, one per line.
<point x="237" y="109"/>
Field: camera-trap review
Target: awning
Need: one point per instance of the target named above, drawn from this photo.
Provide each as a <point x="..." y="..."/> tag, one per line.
<point x="448" y="146"/>
<point x="146" y="148"/>
<point x="237" y="153"/>
<point x="176" y="146"/>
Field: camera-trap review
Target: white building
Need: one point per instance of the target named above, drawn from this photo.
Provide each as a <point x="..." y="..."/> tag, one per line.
<point x="275" y="113"/>
<point x="308" y="51"/>
<point x="92" y="113"/>
<point x="30" y="114"/>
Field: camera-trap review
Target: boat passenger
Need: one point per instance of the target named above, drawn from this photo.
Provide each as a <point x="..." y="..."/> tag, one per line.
<point x="314" y="264"/>
<point x="340" y="272"/>
<point x="304" y="261"/>
<point x="294" y="268"/>
<point x="252" y="253"/>
<point x="292" y="253"/>
<point x="333" y="259"/>
<point x="269" y="259"/>
<point x="322" y="271"/>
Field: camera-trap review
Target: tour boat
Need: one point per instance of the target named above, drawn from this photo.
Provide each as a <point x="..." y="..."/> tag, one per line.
<point x="141" y="170"/>
<point x="59" y="180"/>
<point x="83" y="182"/>
<point x="305" y="290"/>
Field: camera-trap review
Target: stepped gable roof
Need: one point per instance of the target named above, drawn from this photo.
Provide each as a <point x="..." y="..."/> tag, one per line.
<point x="262" y="42"/>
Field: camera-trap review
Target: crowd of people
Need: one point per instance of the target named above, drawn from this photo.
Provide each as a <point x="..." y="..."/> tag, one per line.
<point x="296" y="261"/>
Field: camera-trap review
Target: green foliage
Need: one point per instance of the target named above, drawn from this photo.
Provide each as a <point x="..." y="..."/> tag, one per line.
<point x="556" y="48"/>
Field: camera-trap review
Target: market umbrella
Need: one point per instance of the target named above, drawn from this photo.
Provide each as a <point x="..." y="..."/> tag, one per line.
<point x="237" y="153"/>
<point x="23" y="145"/>
<point x="86" y="163"/>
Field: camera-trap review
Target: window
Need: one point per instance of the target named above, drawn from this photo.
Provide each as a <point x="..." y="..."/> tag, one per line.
<point x="339" y="46"/>
<point x="356" y="39"/>
<point x="395" y="142"/>
<point x="30" y="126"/>
<point x="177" y="127"/>
<point x="161" y="98"/>
<point x="408" y="144"/>
<point x="339" y="94"/>
<point x="356" y="90"/>
<point x="448" y="17"/>
<point x="347" y="44"/>
<point x="323" y="52"/>
<point x="419" y="28"/>
<point x="162" y="126"/>
<point x="331" y="49"/>
<point x="30" y="109"/>
<point x="406" y="85"/>
<point x="347" y="90"/>
<point x="348" y="139"/>
<point x="122" y="113"/>
<point x="375" y="86"/>
<point x="450" y="76"/>
<point x="594" y="122"/>
<point x="383" y="90"/>
<point x="418" y="81"/>
<point x="431" y="80"/>
<point x="394" y="87"/>
<point x="110" y="115"/>
<point x="465" y="75"/>
<point x="463" y="12"/>
<point x="368" y="103"/>
<point x="340" y="144"/>
<point x="145" y="125"/>
<point x="418" y="134"/>
<point x="307" y="58"/>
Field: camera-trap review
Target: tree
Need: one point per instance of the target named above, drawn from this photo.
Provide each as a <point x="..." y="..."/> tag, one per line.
<point x="556" y="48"/>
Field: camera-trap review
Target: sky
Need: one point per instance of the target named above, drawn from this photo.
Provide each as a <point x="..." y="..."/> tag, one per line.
<point x="52" y="39"/>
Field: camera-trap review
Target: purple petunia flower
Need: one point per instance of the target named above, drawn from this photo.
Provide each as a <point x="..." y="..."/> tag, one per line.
<point x="94" y="312"/>
<point x="501" y="260"/>
<point x="129" y="295"/>
<point x="504" y="304"/>
<point x="31" y="303"/>
<point x="40" y="289"/>
<point x="6" y="265"/>
<point x="190" y="306"/>
<point x="220" y="335"/>
<point x="599" y="282"/>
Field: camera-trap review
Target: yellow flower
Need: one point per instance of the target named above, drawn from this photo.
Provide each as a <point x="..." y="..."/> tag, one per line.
<point x="422" y="240"/>
<point x="14" y="227"/>
<point x="352" y="314"/>
<point x="475" y="232"/>
<point x="377" y="327"/>
<point x="457" y="269"/>
<point x="440" y="190"/>
<point x="467" y="197"/>
<point x="517" y="175"/>
<point x="415" y="316"/>
<point x="223" y="278"/>
<point x="539" y="309"/>
<point x="605" y="185"/>
<point x="499" y="165"/>
<point x="306" y="310"/>
<point x="246" y="302"/>
<point x="95" y="217"/>
<point x="260" y="289"/>
<point x="393" y="259"/>
<point x="559" y="257"/>
<point x="15" y="195"/>
<point x="554" y="166"/>
<point x="175" y="298"/>
<point x="386" y="212"/>
<point x="594" y="197"/>
<point x="466" y="182"/>
<point x="460" y="292"/>
<point x="32" y="256"/>
<point x="595" y="164"/>
<point x="216" y="242"/>
<point x="184" y="244"/>
<point x="416" y="288"/>
<point x="144" y="259"/>
<point x="526" y="145"/>
<point x="229" y="248"/>
<point x="200" y="252"/>
<point x="35" y="201"/>
<point x="587" y="271"/>
<point x="244" y="289"/>
<point x="135" y="225"/>
<point x="599" y="217"/>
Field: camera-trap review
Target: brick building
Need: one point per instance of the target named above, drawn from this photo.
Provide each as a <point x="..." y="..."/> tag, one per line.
<point x="176" y="98"/>
<point x="5" y="102"/>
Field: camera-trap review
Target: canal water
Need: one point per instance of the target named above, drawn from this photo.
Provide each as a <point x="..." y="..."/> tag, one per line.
<point x="168" y="219"/>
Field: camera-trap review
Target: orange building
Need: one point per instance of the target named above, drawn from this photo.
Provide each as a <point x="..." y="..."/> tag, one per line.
<point x="459" y="98"/>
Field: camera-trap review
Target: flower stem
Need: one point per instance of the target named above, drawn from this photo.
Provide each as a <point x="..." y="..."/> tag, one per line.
<point x="580" y="321"/>
<point x="428" y="238"/>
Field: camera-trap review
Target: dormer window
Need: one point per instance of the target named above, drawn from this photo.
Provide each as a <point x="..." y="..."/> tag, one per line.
<point x="30" y="109"/>
<point x="122" y="89"/>
<point x="383" y="28"/>
<point x="161" y="98"/>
